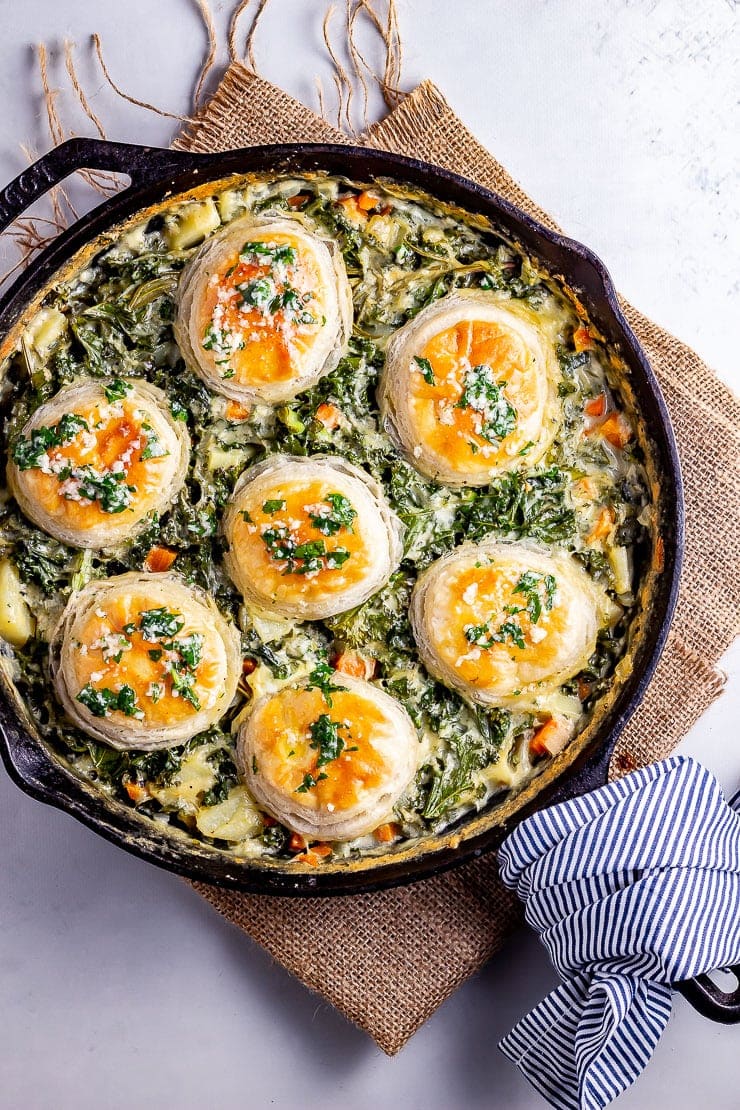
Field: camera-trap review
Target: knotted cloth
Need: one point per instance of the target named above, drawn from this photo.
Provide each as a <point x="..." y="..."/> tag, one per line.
<point x="632" y="888"/>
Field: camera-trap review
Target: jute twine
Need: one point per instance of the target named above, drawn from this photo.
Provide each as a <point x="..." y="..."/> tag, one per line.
<point x="388" y="960"/>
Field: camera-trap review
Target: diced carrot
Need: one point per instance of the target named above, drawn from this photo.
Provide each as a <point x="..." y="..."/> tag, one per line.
<point x="603" y="526"/>
<point x="237" y="412"/>
<point x="136" y="793"/>
<point x="552" y="737"/>
<point x="314" y="855"/>
<point x="586" y="487"/>
<point x="352" y="210"/>
<point x="616" y="429"/>
<point x="297" y="843"/>
<point x="159" y="559"/>
<point x="298" y="200"/>
<point x="385" y="210"/>
<point x="582" y="339"/>
<point x="308" y="857"/>
<point x="659" y="555"/>
<point x="328" y="415"/>
<point x="596" y="406"/>
<point x="354" y="664"/>
<point x="584" y="689"/>
<point x="366" y="201"/>
<point x="386" y="833"/>
<point x="249" y="666"/>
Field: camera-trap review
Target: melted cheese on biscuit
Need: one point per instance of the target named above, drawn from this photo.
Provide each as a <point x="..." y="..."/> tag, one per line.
<point x="94" y="461"/>
<point x="326" y="770"/>
<point x="144" y="661"/>
<point x="499" y="622"/>
<point x="309" y="537"/>
<point x="264" y="309"/>
<point x="469" y="388"/>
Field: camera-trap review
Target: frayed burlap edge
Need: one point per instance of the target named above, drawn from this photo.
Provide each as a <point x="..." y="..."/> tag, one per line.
<point x="388" y="960"/>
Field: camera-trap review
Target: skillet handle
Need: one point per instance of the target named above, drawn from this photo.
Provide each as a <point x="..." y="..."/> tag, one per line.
<point x="704" y="994"/>
<point x="142" y="164"/>
<point x="711" y="1001"/>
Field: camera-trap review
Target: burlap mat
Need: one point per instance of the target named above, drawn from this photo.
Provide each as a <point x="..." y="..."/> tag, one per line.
<point x="388" y="960"/>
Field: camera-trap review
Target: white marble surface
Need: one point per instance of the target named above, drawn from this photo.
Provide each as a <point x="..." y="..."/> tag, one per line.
<point x="119" y="986"/>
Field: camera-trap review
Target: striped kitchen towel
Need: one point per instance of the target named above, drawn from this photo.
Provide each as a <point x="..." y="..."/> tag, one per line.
<point x="632" y="888"/>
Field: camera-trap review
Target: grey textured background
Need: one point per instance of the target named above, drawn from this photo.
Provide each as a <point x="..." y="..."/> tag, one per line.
<point x="118" y="986"/>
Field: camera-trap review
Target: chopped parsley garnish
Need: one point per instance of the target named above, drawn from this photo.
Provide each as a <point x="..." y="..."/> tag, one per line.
<point x="302" y="558"/>
<point x="529" y="585"/>
<point x="325" y="739"/>
<point x="114" y="646"/>
<point x="485" y="396"/>
<point x="312" y="551"/>
<point x="159" y="624"/>
<point x="221" y="341"/>
<point x="28" y="453"/>
<point x="336" y="558"/>
<point x="258" y="293"/>
<point x="269" y="252"/>
<point x="213" y="338"/>
<point x="263" y="294"/>
<point x="271" y="506"/>
<point x="339" y="514"/>
<point x="102" y="702"/>
<point x="162" y="625"/>
<point x="109" y="490"/>
<point x="183" y="683"/>
<point x="116" y="390"/>
<point x="425" y="369"/>
<point x="320" y="678"/>
<point x="309" y="782"/>
<point x="293" y="305"/>
<point x="511" y="630"/>
<point x="189" y="648"/>
<point x="279" y="543"/>
<point x="153" y="448"/>
<point x="154" y="625"/>
<point x="484" y="636"/>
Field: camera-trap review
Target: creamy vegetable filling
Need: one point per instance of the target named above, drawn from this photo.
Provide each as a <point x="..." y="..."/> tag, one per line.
<point x="526" y="440"/>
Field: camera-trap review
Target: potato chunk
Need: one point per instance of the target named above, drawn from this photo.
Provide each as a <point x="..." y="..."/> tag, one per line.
<point x="191" y="224"/>
<point x="234" y="819"/>
<point x="16" y="619"/>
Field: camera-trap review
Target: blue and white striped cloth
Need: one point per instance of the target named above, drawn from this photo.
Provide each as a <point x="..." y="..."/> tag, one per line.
<point x="633" y="887"/>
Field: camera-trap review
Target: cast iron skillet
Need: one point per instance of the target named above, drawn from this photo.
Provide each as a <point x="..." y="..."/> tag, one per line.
<point x="156" y="174"/>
